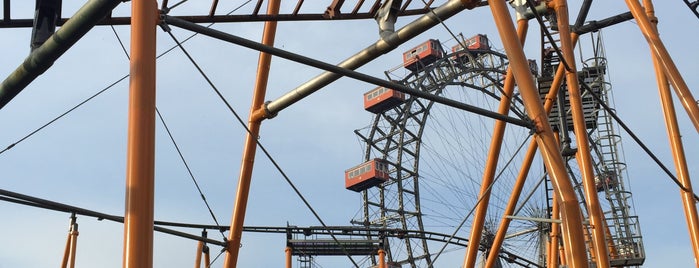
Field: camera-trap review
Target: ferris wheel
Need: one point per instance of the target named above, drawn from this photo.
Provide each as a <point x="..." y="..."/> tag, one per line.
<point x="434" y="155"/>
<point x="424" y="162"/>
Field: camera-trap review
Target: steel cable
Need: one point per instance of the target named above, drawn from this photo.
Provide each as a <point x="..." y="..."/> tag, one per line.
<point x="259" y="144"/>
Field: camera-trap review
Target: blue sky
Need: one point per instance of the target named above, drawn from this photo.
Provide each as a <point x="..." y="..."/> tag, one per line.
<point x="80" y="159"/>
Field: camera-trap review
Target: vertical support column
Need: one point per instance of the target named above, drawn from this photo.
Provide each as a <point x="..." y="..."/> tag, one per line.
<point x="66" y="251"/>
<point x="570" y="210"/>
<point x="598" y="245"/>
<point x="197" y="258"/>
<point x="492" y="162"/>
<point x="140" y="179"/>
<point x="552" y="258"/>
<point x="549" y="100"/>
<point x="207" y="256"/>
<point x="675" y="138"/>
<point x="382" y="258"/>
<point x="287" y="252"/>
<point x="665" y="61"/>
<point x="71" y="244"/>
<point x="200" y="251"/>
<point x="522" y="176"/>
<point x="250" y="147"/>
<point x="562" y="259"/>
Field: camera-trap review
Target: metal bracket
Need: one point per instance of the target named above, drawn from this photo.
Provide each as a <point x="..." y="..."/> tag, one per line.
<point x="523" y="11"/>
<point x="46" y="14"/>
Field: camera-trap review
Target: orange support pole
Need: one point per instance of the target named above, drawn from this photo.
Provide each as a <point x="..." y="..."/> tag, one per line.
<point x="287" y="252"/>
<point x="71" y="244"/>
<point x="492" y="160"/>
<point x="138" y="216"/>
<point x="596" y="215"/>
<point x="512" y="202"/>
<point x="552" y="246"/>
<point x="382" y="258"/>
<point x="675" y="138"/>
<point x="66" y="251"/>
<point x="570" y="211"/>
<point x="207" y="257"/>
<point x="522" y="176"/>
<point x="526" y="164"/>
<point x="562" y="256"/>
<point x="665" y="61"/>
<point x="200" y="250"/>
<point x="552" y="258"/>
<point x="555" y="232"/>
<point x="250" y="147"/>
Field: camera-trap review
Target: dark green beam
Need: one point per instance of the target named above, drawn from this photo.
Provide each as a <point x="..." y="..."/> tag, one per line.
<point x="44" y="56"/>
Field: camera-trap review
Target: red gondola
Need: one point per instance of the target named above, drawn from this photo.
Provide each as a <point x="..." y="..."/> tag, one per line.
<point x="381" y="99"/>
<point x="422" y="55"/>
<point x="369" y="174"/>
<point x="473" y="44"/>
<point x="479" y="41"/>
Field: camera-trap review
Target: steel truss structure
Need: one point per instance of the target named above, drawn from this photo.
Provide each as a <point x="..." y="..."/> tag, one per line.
<point x="396" y="134"/>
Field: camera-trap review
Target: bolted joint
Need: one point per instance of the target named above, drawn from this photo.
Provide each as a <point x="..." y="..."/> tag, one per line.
<point x="267" y="113"/>
<point x="161" y="22"/>
<point x="538" y="124"/>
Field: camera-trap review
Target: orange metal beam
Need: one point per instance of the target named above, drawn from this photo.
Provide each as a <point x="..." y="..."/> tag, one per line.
<point x="549" y="101"/>
<point x="287" y="252"/>
<point x="254" y="122"/>
<point x="675" y="138"/>
<point x="665" y="61"/>
<point x="207" y="258"/>
<point x="596" y="215"/>
<point x="570" y="210"/>
<point x="553" y="245"/>
<point x="138" y="216"/>
<point x="492" y="163"/>
<point x="553" y="248"/>
<point x="200" y="250"/>
<point x="66" y="252"/>
<point x="382" y="258"/>
<point x="71" y="245"/>
<point x="557" y="252"/>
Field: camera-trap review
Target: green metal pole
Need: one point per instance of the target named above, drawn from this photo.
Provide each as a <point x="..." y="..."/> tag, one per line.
<point x="44" y="56"/>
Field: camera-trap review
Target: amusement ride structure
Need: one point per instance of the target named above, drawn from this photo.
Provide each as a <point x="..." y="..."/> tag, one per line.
<point x="507" y="159"/>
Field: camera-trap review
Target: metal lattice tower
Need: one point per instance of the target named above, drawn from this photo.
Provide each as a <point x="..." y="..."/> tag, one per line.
<point x="624" y="229"/>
